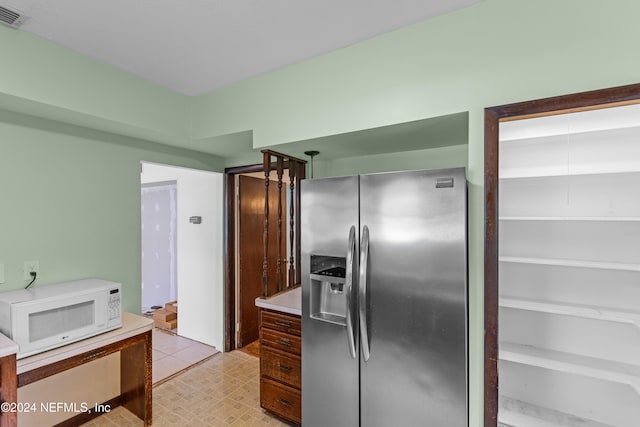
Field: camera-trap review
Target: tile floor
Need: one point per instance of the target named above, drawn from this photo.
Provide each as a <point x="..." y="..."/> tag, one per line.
<point x="223" y="390"/>
<point x="173" y="353"/>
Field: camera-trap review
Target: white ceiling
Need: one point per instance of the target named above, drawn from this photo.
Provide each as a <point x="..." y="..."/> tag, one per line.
<point x="197" y="46"/>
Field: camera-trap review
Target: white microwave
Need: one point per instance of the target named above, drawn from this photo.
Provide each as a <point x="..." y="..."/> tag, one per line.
<point x="46" y="317"/>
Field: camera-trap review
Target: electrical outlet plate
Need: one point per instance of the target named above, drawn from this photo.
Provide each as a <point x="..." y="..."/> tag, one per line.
<point x="30" y="266"/>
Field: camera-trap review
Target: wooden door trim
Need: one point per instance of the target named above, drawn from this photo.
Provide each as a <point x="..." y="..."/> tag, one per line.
<point x="230" y="243"/>
<point x="229" y="250"/>
<point x="230" y="253"/>
<point x="616" y="96"/>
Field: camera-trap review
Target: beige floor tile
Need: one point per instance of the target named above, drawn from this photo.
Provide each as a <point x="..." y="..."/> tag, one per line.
<point x="219" y="392"/>
<point x="157" y="354"/>
<point x="166" y="367"/>
<point x="195" y="353"/>
<point x="173" y="353"/>
<point x="168" y="343"/>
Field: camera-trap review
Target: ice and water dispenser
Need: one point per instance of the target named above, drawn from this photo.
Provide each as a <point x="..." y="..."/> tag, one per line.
<point x="328" y="289"/>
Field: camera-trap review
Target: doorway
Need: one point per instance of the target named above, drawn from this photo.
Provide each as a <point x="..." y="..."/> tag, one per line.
<point x="245" y="243"/>
<point x="199" y="265"/>
<point x="571" y="284"/>
<point x="159" y="274"/>
<point x="250" y="251"/>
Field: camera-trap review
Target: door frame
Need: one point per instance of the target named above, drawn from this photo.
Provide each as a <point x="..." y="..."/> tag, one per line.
<point x="584" y="101"/>
<point x="230" y="251"/>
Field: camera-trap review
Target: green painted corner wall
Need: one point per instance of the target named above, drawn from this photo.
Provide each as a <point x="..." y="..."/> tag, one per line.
<point x="493" y="53"/>
<point x="496" y="52"/>
<point x="47" y="80"/>
<point x="70" y="199"/>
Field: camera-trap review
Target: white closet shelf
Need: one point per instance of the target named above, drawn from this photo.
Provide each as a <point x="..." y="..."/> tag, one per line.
<point x="571" y="176"/>
<point x="506" y="174"/>
<point x="576" y="310"/>
<point x="572" y="218"/>
<point x="592" y="367"/>
<point x="516" y="413"/>
<point x="572" y="263"/>
<point x="599" y="121"/>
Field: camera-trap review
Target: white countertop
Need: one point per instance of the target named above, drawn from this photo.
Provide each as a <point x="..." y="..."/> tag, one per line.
<point x="289" y="301"/>
<point x="132" y="324"/>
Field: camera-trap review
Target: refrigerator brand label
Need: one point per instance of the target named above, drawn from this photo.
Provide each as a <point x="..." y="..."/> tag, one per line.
<point x="444" y="182"/>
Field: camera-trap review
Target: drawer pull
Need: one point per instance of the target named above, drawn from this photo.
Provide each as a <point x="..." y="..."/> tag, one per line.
<point x="285" y="368"/>
<point x="284" y="341"/>
<point x="285" y="402"/>
<point x="283" y="323"/>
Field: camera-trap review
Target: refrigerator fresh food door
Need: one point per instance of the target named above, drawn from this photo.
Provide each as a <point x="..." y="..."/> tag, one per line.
<point x="329" y="258"/>
<point x="414" y="290"/>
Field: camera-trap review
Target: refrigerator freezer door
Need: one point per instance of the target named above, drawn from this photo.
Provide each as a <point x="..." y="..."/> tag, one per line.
<point x="416" y="374"/>
<point x="329" y="209"/>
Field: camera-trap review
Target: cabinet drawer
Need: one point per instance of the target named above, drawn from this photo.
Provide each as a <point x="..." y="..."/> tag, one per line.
<point x="280" y="322"/>
<point x="280" y="340"/>
<point x="280" y="366"/>
<point x="280" y="399"/>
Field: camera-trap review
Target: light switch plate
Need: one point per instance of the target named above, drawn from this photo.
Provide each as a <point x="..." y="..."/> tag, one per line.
<point x="1" y="273"/>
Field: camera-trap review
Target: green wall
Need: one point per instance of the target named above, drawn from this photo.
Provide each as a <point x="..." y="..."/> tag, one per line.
<point x="493" y="53"/>
<point x="434" y="158"/>
<point x="72" y="134"/>
<point x="496" y="52"/>
<point x="44" y="79"/>
<point x="70" y="198"/>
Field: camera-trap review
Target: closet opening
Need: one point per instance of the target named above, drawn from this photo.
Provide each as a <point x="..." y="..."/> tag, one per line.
<point x="562" y="266"/>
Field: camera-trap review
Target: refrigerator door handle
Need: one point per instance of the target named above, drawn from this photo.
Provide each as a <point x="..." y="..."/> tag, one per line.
<point x="348" y="290"/>
<point x="362" y="294"/>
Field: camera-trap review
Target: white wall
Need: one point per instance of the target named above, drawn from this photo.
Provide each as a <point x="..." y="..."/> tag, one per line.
<point x="200" y="250"/>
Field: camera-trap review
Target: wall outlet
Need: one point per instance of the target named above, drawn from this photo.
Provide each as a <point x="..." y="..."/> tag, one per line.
<point x="30" y="266"/>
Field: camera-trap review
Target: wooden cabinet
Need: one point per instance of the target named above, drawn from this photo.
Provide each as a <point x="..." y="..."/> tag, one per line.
<point x="134" y="343"/>
<point x="280" y="364"/>
<point x="8" y="390"/>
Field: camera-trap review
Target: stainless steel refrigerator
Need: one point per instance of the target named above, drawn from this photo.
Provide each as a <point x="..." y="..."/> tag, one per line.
<point x="384" y="309"/>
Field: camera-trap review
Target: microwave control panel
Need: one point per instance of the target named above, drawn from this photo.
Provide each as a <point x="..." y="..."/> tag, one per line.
<point x="114" y="304"/>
